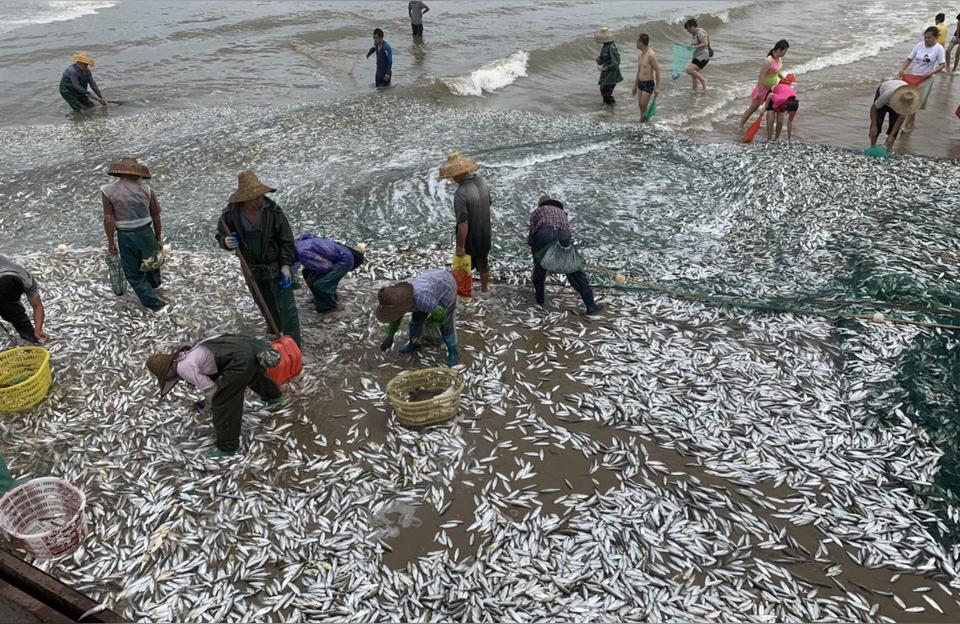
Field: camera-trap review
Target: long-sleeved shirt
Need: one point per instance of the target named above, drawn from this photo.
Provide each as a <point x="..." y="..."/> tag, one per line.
<point x="198" y="368"/>
<point x="79" y="79"/>
<point x="384" y="58"/>
<point x="319" y="255"/>
<point x="433" y="288"/>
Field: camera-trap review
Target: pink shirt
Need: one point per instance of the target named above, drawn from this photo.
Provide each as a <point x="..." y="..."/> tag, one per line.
<point x="781" y="93"/>
<point x="197" y="368"/>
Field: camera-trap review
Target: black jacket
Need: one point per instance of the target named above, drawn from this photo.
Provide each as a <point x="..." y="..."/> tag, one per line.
<point x="278" y="247"/>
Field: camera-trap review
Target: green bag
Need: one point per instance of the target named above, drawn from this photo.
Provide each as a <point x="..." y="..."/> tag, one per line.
<point x="651" y="109"/>
<point x="682" y="55"/>
<point x="118" y="282"/>
<point x="557" y="259"/>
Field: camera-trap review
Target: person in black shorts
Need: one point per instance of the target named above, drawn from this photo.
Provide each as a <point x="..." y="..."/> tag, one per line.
<point x="700" y="42"/>
<point x="894" y="99"/>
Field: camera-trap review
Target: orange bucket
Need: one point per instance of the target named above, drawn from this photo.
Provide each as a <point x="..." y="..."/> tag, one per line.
<point x="291" y="360"/>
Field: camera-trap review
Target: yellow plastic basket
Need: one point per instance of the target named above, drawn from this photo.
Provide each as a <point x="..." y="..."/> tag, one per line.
<point x="448" y="382"/>
<point x="25" y="378"/>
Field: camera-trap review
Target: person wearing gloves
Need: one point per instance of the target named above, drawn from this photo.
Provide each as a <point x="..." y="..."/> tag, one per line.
<point x="222" y="367"/>
<point x="325" y="262"/>
<point x="432" y="298"/>
<point x="253" y="225"/>
<point x="15" y="282"/>
<point x="75" y="80"/>
<point x="132" y="213"/>
<point x="549" y="224"/>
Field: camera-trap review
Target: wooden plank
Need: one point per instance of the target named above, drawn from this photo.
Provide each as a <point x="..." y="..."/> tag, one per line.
<point x="50" y="591"/>
<point x="17" y="606"/>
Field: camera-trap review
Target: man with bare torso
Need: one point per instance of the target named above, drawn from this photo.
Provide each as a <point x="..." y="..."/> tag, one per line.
<point x="648" y="74"/>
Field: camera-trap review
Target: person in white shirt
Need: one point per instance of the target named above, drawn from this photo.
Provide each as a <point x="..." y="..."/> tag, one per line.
<point x="926" y="59"/>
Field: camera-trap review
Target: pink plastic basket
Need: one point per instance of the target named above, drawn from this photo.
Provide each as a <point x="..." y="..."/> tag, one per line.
<point x="45" y="516"/>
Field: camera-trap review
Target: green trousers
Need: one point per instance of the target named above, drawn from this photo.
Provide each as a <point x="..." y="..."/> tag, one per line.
<point x="324" y="289"/>
<point x="282" y="306"/>
<point x="136" y="246"/>
<point x="236" y="358"/>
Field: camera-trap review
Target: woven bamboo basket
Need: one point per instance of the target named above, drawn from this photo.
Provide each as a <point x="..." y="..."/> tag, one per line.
<point x="441" y="408"/>
<point x="25" y="378"/>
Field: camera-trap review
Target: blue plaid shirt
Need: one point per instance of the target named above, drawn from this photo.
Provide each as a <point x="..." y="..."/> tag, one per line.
<point x="433" y="288"/>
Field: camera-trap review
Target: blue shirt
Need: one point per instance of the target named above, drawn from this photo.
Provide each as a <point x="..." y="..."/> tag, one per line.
<point x="79" y="79"/>
<point x="384" y="58"/>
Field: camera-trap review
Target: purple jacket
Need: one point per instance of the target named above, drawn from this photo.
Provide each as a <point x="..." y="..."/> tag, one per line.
<point x="319" y="255"/>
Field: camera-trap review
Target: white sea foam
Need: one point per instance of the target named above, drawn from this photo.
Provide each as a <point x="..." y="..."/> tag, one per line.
<point x="49" y="11"/>
<point x="550" y="156"/>
<point x="491" y="76"/>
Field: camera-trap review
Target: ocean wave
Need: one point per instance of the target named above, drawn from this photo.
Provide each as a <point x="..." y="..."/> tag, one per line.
<point x="55" y="11"/>
<point x="491" y="76"/>
<point x="847" y="56"/>
<point x="549" y="156"/>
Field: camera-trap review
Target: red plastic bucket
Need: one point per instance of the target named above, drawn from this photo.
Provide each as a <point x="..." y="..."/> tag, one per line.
<point x="291" y="361"/>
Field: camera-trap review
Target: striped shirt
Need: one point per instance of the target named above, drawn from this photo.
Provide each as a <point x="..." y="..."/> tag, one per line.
<point x="130" y="202"/>
<point x="433" y="288"/>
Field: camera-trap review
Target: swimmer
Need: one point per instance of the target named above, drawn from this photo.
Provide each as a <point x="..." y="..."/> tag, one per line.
<point x="781" y="101"/>
<point x="647" y="83"/>
<point x="768" y="79"/>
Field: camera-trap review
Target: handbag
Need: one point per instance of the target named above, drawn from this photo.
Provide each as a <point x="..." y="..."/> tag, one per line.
<point x="463" y="275"/>
<point x="559" y="259"/>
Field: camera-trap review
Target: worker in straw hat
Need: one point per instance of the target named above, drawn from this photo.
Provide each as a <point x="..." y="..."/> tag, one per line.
<point x="222" y="368"/>
<point x="894" y="100"/>
<point x="471" y="208"/>
<point x="609" y="62"/>
<point x="132" y="213"/>
<point x="432" y="298"/>
<point x="254" y="226"/>
<point x="75" y="80"/>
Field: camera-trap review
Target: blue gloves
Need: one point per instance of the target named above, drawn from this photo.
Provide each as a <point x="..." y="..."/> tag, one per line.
<point x="232" y="242"/>
<point x="414" y="334"/>
<point x="286" y="280"/>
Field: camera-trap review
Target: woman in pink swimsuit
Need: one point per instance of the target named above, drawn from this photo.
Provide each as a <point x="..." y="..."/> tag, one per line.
<point x="768" y="79"/>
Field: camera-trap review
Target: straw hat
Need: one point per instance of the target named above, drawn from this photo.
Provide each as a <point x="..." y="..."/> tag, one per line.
<point x="161" y="365"/>
<point x="128" y="165"/>
<point x="546" y="200"/>
<point x="603" y="36"/>
<point x="457" y="165"/>
<point x="83" y="57"/>
<point x="395" y="301"/>
<point x="249" y="187"/>
<point x="906" y="100"/>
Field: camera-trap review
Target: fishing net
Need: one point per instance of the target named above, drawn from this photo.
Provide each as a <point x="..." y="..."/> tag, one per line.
<point x="118" y="282"/>
<point x="682" y="55"/>
<point x="651" y="109"/>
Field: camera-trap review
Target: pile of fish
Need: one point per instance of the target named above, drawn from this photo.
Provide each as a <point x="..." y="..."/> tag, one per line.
<point x="666" y="460"/>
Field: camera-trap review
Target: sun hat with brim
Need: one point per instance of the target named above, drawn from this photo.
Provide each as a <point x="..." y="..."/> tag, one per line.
<point x="546" y="200"/>
<point x="128" y="165"/>
<point x="83" y="57"/>
<point x="394" y="301"/>
<point x="603" y="36"/>
<point x="457" y="165"/>
<point x="161" y="365"/>
<point x="906" y="100"/>
<point x="249" y="187"/>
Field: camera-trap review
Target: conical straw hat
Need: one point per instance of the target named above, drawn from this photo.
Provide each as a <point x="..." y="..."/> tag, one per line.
<point x="603" y="36"/>
<point x="128" y="165"/>
<point x="83" y="57"/>
<point x="457" y="165"/>
<point x="249" y="187"/>
<point x="394" y="301"/>
<point x="906" y="100"/>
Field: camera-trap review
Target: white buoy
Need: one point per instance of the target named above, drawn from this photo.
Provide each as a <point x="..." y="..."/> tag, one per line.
<point x="878" y="317"/>
<point x="621" y="278"/>
<point x="362" y="247"/>
<point x="62" y="248"/>
<point x="166" y="248"/>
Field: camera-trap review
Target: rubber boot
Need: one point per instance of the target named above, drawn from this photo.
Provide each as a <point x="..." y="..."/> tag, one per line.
<point x="453" y="354"/>
<point x="592" y="308"/>
<point x="412" y="344"/>
<point x="540" y="291"/>
<point x="215" y="453"/>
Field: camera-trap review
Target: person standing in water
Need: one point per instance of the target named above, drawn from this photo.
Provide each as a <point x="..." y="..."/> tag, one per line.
<point x="609" y="62"/>
<point x="770" y="77"/>
<point x="384" y="58"/>
<point x="700" y="42"/>
<point x="75" y="80"/>
<point x="942" y="29"/>
<point x="647" y="83"/>
<point x="954" y="42"/>
<point x="417" y="10"/>
<point x="925" y="61"/>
